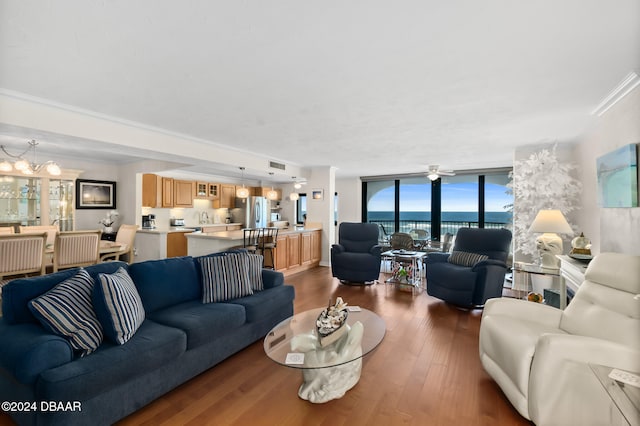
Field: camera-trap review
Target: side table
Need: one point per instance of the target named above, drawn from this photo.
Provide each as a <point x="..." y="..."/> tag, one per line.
<point x="625" y="397"/>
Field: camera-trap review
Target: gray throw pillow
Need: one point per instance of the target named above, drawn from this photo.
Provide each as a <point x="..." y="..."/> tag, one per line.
<point x="464" y="258"/>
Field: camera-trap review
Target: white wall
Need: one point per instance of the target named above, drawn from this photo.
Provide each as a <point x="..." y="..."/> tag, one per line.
<point x="349" y="200"/>
<point x="610" y="229"/>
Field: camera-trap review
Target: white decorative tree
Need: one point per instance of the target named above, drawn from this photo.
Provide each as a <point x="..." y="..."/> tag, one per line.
<point x="540" y="182"/>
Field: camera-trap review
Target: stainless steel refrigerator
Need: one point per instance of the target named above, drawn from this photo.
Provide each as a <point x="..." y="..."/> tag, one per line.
<point x="252" y="211"/>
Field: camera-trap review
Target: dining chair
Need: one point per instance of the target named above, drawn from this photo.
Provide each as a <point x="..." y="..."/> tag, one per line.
<point x="76" y="249"/>
<point x="51" y="231"/>
<point x="251" y="239"/>
<point x="124" y="238"/>
<point x="22" y="254"/>
<point x="269" y="240"/>
<point x="6" y="230"/>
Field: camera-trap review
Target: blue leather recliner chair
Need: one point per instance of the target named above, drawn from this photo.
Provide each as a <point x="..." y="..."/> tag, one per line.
<point x="356" y="259"/>
<point x="475" y="269"/>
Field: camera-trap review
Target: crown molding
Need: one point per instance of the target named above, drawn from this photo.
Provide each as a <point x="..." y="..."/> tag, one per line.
<point x="627" y="85"/>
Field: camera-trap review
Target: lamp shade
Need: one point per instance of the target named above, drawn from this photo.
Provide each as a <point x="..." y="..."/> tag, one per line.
<point x="294" y="196"/>
<point x="550" y="221"/>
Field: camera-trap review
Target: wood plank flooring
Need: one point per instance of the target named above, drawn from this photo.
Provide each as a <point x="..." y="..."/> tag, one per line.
<point x="426" y="371"/>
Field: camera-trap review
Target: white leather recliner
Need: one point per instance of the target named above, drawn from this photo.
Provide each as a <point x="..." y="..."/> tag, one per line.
<point x="540" y="355"/>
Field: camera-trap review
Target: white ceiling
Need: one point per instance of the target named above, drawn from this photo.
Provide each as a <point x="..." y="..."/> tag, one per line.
<point x="371" y="86"/>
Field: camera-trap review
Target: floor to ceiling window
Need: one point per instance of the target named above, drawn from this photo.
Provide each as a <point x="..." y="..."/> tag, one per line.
<point x="380" y="199"/>
<point x="449" y="203"/>
<point x="415" y="204"/>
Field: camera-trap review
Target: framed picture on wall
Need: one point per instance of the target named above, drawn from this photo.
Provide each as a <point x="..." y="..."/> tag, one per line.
<point x="95" y="194"/>
<point x="317" y="194"/>
<point x="618" y="177"/>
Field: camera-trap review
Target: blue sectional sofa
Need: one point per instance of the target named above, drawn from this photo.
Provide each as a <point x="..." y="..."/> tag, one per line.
<point x="179" y="338"/>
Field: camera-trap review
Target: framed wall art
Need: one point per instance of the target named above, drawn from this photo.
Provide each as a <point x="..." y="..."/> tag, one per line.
<point x="95" y="194"/>
<point x="317" y="194"/>
<point x="618" y="177"/>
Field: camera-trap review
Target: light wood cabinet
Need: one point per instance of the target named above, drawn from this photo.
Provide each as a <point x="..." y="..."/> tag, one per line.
<point x="167" y="192"/>
<point x="213" y="191"/>
<point x="298" y="251"/>
<point x="281" y="253"/>
<point x="183" y="193"/>
<point x="151" y="190"/>
<point x="305" y="248"/>
<point x="293" y="250"/>
<point x="316" y="246"/>
<point x="227" y="197"/>
<point x="202" y="190"/>
<point x="176" y="244"/>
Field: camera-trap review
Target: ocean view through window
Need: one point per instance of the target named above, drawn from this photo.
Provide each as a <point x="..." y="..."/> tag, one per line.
<point x="439" y="207"/>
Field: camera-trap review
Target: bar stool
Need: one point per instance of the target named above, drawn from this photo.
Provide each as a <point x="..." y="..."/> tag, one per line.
<point x="269" y="240"/>
<point x="251" y="239"/>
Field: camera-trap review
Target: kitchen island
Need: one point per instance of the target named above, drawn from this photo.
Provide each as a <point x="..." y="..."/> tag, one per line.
<point x="297" y="249"/>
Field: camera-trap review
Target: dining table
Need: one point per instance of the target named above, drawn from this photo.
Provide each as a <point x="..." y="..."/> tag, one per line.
<point x="106" y="247"/>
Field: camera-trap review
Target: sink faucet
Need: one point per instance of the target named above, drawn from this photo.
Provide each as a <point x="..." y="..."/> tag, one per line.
<point x="204" y="217"/>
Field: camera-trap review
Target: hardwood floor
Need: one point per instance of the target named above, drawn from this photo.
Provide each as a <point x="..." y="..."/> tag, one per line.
<point x="426" y="371"/>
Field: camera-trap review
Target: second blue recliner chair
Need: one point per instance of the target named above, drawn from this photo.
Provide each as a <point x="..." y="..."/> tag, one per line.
<point x="356" y="259"/>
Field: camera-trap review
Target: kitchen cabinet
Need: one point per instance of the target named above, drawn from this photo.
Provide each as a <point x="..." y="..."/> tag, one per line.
<point x="160" y="191"/>
<point x="305" y="248"/>
<point x="151" y="190"/>
<point x="227" y="197"/>
<point x="202" y="190"/>
<point x="316" y="246"/>
<point x="220" y="228"/>
<point x="176" y="244"/>
<point x="298" y="251"/>
<point x="213" y="191"/>
<point x="281" y="259"/>
<point x="207" y="191"/>
<point x="183" y="193"/>
<point x="167" y="192"/>
<point x="293" y="250"/>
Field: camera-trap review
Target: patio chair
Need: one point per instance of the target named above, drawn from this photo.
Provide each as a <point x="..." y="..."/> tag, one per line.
<point x="74" y="249"/>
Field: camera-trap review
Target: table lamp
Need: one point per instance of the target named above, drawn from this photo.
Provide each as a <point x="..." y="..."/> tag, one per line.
<point x="549" y="244"/>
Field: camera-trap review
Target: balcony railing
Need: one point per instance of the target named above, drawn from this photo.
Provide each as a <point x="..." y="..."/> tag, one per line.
<point x="445" y="226"/>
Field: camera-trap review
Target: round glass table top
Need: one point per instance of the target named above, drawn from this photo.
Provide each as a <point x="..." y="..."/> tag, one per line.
<point x="277" y="343"/>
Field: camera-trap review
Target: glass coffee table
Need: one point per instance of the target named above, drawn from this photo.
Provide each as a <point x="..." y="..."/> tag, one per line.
<point x="330" y="371"/>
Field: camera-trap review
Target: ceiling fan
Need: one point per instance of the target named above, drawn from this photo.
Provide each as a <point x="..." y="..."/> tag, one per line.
<point x="434" y="172"/>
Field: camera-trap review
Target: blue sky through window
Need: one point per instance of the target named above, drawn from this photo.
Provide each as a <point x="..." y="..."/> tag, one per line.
<point x="460" y="197"/>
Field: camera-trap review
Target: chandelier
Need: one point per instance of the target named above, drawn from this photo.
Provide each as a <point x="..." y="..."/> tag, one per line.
<point x="28" y="167"/>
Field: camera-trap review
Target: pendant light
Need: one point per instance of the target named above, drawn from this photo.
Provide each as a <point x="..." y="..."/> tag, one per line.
<point x="272" y="194"/>
<point x="242" y="192"/>
<point x="294" y="196"/>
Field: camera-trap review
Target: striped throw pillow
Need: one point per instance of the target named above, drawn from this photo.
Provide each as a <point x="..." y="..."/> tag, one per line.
<point x="224" y="277"/>
<point x="66" y="310"/>
<point x="255" y="271"/>
<point x="464" y="258"/>
<point x="118" y="306"/>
